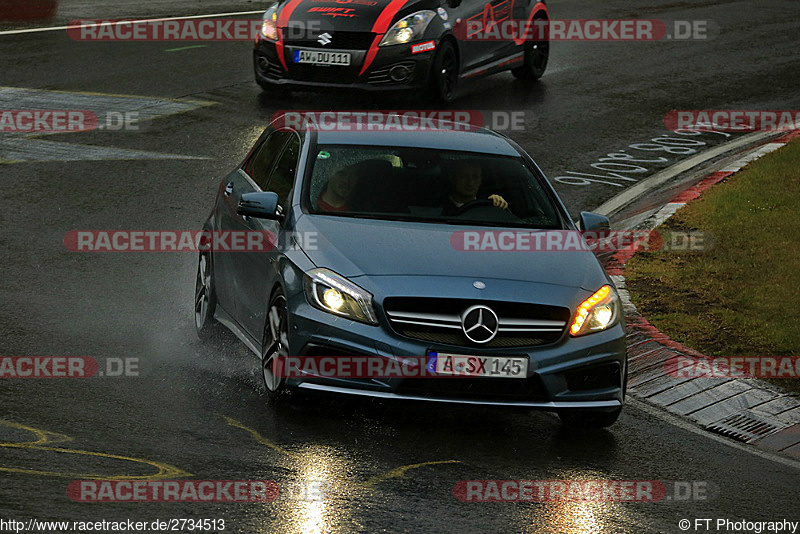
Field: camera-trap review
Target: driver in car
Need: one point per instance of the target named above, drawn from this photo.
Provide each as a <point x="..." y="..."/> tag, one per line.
<point x="464" y="184"/>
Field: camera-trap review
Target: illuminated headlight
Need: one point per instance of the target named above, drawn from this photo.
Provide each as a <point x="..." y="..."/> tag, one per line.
<point x="336" y="294"/>
<point x="596" y="313"/>
<point x="408" y="29"/>
<point x="269" y="27"/>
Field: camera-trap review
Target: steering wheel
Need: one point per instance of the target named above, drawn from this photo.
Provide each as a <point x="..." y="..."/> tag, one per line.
<point x="479" y="203"/>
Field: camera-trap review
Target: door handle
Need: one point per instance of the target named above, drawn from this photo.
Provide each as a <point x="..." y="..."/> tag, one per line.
<point x="229" y="189"/>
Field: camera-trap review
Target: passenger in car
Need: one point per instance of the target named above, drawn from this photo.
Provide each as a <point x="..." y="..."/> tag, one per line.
<point x="336" y="194"/>
<point x="465" y="181"/>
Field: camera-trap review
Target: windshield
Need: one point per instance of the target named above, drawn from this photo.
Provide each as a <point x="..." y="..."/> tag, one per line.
<point x="427" y="186"/>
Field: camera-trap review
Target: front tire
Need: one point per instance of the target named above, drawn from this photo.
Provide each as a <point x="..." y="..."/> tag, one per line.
<point x="275" y="346"/>
<point x="444" y="74"/>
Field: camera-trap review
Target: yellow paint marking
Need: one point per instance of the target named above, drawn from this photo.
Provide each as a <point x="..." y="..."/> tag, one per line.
<point x="394" y="473"/>
<point x="43" y="435"/>
<point x="259" y="438"/>
<point x="400" y="471"/>
<point x="165" y="471"/>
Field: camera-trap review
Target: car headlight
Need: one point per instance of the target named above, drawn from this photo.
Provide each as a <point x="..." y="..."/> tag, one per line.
<point x="596" y="313"/>
<point x="408" y="29"/>
<point x="336" y="294"/>
<point x="269" y="27"/>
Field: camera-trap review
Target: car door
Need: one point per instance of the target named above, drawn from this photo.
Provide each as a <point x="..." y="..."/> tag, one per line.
<point x="251" y="177"/>
<point x="222" y="261"/>
<point x="477" y="52"/>
<point x="256" y="271"/>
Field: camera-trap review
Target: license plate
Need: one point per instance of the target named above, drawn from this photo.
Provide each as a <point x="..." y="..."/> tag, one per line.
<point x="484" y="366"/>
<point x="320" y="57"/>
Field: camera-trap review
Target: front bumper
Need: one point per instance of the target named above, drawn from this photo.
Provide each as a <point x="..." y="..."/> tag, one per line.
<point x="392" y="68"/>
<point x="585" y="373"/>
<point x="550" y="406"/>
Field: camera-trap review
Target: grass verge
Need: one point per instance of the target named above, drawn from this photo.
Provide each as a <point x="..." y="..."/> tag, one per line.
<point x="738" y="298"/>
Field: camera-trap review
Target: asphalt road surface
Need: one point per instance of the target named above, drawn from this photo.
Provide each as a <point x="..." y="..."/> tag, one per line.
<point x="201" y="410"/>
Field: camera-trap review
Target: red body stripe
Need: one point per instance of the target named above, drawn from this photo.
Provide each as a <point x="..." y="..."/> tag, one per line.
<point x="373" y="50"/>
<point x="386" y="16"/>
<point x="283" y="20"/>
<point x="380" y="27"/>
<point x="538" y="7"/>
<point x="286" y="12"/>
<point x="279" y="51"/>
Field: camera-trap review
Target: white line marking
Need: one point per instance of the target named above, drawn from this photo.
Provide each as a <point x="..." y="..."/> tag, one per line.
<point x="138" y="21"/>
<point x="649" y="184"/>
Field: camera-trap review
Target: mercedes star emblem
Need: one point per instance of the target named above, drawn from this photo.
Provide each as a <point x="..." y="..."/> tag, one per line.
<point x="479" y="323"/>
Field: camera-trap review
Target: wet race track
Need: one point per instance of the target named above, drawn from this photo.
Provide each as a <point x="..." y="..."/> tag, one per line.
<point x="199" y="410"/>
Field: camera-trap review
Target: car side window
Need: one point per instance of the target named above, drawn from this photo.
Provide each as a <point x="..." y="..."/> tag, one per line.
<point x="282" y="176"/>
<point x="260" y="166"/>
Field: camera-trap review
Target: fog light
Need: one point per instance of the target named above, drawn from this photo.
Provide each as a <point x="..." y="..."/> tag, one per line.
<point x="398" y="73"/>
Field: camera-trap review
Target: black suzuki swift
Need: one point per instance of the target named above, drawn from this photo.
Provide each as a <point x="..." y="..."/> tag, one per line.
<point x="423" y="45"/>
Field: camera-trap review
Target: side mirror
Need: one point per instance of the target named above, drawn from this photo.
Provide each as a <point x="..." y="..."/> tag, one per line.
<point x="593" y="222"/>
<point x="260" y="205"/>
